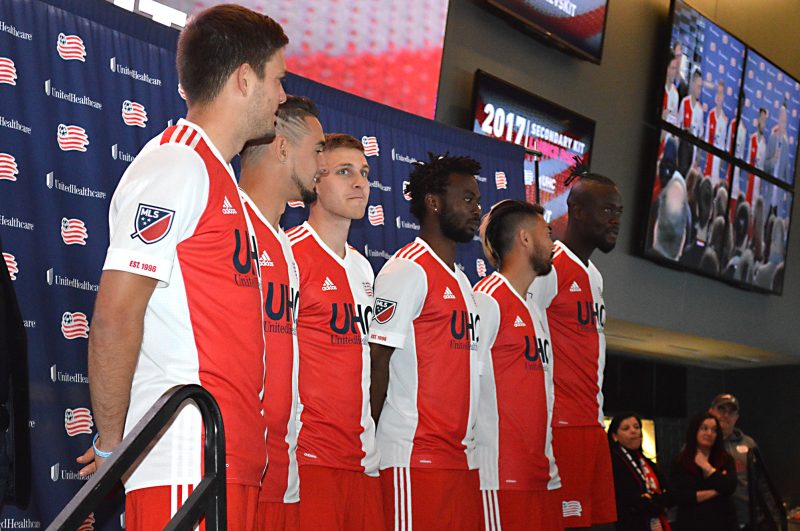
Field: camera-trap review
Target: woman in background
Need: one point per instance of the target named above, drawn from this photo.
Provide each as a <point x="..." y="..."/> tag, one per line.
<point x="639" y="485"/>
<point x="704" y="479"/>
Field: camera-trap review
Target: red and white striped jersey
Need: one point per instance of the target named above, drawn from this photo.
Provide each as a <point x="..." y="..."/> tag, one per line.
<point x="336" y="427"/>
<point x="717" y="135"/>
<point x="427" y="312"/>
<point x="758" y="150"/>
<point x="572" y="295"/>
<point x="280" y="288"/>
<point x="176" y="217"/>
<point x="513" y="435"/>
<point x="670" y="104"/>
<point x="692" y="117"/>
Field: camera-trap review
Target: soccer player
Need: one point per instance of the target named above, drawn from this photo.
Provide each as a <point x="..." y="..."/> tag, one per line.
<point x="777" y="158"/>
<point x="179" y="299"/>
<point x="272" y="174"/>
<point x="716" y="133"/>
<point x="758" y="144"/>
<point x="669" y="107"/>
<point x="692" y="111"/>
<point x="339" y="484"/>
<point x="572" y="295"/>
<point x="513" y="437"/>
<point x="424" y="349"/>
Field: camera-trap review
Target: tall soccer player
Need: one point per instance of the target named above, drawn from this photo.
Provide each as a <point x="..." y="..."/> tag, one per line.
<point x="513" y="437"/>
<point x="339" y="484"/>
<point x="716" y="133"/>
<point x="424" y="350"/>
<point x="572" y="295"/>
<point x="758" y="142"/>
<point x="179" y="299"/>
<point x="273" y="173"/>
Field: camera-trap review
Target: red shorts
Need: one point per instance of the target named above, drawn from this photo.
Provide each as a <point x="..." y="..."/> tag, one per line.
<point x="587" y="481"/>
<point x="521" y="510"/>
<point x="431" y="499"/>
<point x="278" y="516"/>
<point x="343" y="500"/>
<point x="153" y="507"/>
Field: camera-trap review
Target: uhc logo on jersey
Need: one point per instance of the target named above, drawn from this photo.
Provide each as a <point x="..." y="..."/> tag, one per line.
<point x="591" y="315"/>
<point x="8" y="167"/>
<point x="281" y="306"/>
<point x="350" y="317"/>
<point x="371" y="148"/>
<point x="384" y="310"/>
<point x="72" y="138"/>
<point x="73" y="231"/>
<point x="152" y="223"/>
<point x="71" y="48"/>
<point x="74" y="325"/>
<point x="537" y="349"/>
<point x="133" y="113"/>
<point x="8" y="72"/>
<point x="78" y="421"/>
<point x="462" y="323"/>
<point x="11" y="264"/>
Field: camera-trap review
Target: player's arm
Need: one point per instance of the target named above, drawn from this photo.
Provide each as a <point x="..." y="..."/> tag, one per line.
<point x="114" y="342"/>
<point x="152" y="212"/>
<point x="400" y="291"/>
<point x="379" y="367"/>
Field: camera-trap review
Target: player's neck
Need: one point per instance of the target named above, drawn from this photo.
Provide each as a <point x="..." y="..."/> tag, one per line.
<point x="269" y="203"/>
<point x="519" y="274"/>
<point x="331" y="229"/>
<point x="217" y="127"/>
<point x="579" y="247"/>
<point x="444" y="247"/>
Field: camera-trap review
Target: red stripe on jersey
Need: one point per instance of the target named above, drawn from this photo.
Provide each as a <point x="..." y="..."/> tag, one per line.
<point x="167" y="134"/>
<point x="489" y="284"/>
<point x="297" y="233"/>
<point x="410" y="250"/>
<point x="190" y="138"/>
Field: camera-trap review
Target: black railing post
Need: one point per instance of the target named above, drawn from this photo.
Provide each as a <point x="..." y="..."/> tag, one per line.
<point x="209" y="497"/>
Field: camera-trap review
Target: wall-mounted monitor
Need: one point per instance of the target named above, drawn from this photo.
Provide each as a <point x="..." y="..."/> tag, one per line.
<point x="577" y="27"/>
<point x="770" y="119"/>
<point x="512" y="114"/>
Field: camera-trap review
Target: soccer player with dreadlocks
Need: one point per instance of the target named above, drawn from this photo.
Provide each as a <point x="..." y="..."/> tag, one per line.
<point x="572" y="295"/>
<point x="424" y="339"/>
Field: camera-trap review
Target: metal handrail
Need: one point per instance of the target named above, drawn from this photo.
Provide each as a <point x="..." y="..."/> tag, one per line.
<point x="757" y="473"/>
<point x="209" y="497"/>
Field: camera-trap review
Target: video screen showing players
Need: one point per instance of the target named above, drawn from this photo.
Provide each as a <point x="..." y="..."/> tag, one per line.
<point x="511" y="114"/>
<point x="759" y="216"/>
<point x="770" y="119"/>
<point x="579" y="24"/>
<point x="703" y="78"/>
<point x="688" y="206"/>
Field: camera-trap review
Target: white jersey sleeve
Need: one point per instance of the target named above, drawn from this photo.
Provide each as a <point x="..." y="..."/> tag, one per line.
<point x="489" y="311"/>
<point x="157" y="205"/>
<point x="544" y="289"/>
<point x="400" y="290"/>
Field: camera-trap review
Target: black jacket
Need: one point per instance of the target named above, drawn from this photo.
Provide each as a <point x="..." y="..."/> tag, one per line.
<point x="633" y="511"/>
<point x="716" y="514"/>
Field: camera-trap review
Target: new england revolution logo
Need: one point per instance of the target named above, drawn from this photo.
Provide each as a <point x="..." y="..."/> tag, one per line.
<point x="384" y="310"/>
<point x="152" y="223"/>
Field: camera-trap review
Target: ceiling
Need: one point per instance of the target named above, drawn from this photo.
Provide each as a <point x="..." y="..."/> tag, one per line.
<point x="675" y="347"/>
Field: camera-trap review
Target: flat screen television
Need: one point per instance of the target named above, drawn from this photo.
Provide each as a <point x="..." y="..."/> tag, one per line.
<point x="721" y="192"/>
<point x="770" y="119"/>
<point x="576" y="26"/>
<point x="512" y="114"/>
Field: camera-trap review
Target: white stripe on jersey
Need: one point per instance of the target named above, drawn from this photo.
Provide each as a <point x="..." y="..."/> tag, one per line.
<point x="402" y="498"/>
<point x="491" y="510"/>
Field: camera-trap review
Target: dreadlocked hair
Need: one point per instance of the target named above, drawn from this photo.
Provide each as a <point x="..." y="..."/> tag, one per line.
<point x="432" y="177"/>
<point x="499" y="226"/>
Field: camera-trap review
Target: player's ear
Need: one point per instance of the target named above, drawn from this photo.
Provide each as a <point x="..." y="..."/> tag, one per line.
<point x="433" y="202"/>
<point x="242" y="78"/>
<point x="282" y="148"/>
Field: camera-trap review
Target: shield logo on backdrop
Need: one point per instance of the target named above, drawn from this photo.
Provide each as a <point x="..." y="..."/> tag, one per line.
<point x="384" y="310"/>
<point x="152" y="223"/>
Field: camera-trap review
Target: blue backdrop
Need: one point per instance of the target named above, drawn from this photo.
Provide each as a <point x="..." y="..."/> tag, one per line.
<point x="83" y="86"/>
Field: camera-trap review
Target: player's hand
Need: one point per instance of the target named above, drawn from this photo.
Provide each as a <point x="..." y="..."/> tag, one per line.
<point x="90" y="460"/>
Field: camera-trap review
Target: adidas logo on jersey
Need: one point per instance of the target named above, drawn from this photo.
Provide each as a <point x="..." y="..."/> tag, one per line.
<point x="328" y="285"/>
<point x="227" y="207"/>
<point x="264" y="260"/>
<point x="574" y="288"/>
<point x="518" y="322"/>
<point x="448" y="294"/>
